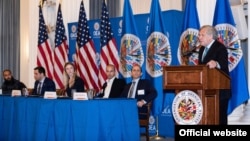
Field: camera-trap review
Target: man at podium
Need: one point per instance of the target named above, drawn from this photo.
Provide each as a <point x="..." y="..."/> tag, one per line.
<point x="214" y="54"/>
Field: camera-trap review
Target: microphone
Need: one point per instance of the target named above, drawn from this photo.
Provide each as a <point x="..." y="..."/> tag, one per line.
<point x="104" y="85"/>
<point x="193" y="49"/>
<point x="103" y="89"/>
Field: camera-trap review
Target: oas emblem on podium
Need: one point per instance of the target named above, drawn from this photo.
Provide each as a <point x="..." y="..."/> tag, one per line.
<point x="187" y="108"/>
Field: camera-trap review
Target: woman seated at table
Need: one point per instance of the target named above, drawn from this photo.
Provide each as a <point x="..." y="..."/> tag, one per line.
<point x="72" y="82"/>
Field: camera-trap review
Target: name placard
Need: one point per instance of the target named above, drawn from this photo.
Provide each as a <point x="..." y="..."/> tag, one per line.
<point x="50" y="95"/>
<point x="16" y="93"/>
<point x="80" y="96"/>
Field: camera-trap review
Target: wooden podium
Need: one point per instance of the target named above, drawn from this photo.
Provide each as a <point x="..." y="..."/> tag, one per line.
<point x="205" y="82"/>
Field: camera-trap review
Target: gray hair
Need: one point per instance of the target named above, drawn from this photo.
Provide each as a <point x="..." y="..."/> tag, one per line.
<point x="210" y="30"/>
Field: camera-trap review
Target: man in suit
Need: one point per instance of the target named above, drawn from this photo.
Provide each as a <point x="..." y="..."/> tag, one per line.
<point x="42" y="82"/>
<point x="113" y="86"/>
<point x="10" y="83"/>
<point x="140" y="89"/>
<point x="214" y="54"/>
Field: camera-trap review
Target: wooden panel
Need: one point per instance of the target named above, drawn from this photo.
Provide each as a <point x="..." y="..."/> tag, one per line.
<point x="183" y="79"/>
<point x="211" y="107"/>
<point x="217" y="79"/>
<point x="202" y="80"/>
<point x="194" y="77"/>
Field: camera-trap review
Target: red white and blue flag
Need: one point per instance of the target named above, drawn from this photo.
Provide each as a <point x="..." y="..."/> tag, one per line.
<point x="44" y="52"/>
<point x="60" y="51"/>
<point x="109" y="51"/>
<point x="85" y="53"/>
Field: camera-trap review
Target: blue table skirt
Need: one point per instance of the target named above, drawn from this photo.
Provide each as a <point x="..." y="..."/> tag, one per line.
<point x="38" y="119"/>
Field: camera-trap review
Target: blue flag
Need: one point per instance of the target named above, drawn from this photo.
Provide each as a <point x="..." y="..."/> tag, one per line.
<point x="189" y="38"/>
<point x="191" y="19"/>
<point x="158" y="54"/>
<point x="131" y="49"/>
<point x="187" y="54"/>
<point x="227" y="33"/>
<point x="187" y="41"/>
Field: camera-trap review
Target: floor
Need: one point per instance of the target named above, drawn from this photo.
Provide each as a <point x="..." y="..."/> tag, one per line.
<point x="157" y="138"/>
<point x="240" y="116"/>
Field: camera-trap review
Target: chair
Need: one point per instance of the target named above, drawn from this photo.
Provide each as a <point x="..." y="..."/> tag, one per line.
<point x="145" y="121"/>
<point x="60" y="92"/>
<point x="30" y="90"/>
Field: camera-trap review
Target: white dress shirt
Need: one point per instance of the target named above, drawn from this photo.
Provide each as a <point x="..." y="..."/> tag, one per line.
<point x="108" y="87"/>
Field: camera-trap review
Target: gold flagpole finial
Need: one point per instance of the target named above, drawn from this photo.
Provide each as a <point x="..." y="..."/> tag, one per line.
<point x="41" y="3"/>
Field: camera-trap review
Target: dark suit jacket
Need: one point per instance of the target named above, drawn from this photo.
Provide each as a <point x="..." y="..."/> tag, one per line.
<point x="217" y="52"/>
<point x="116" y="88"/>
<point x="13" y="84"/>
<point x="48" y="85"/>
<point x="78" y="86"/>
<point x="149" y="93"/>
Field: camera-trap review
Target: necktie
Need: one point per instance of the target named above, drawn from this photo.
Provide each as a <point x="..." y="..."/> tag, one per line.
<point x="131" y="90"/>
<point x="104" y="87"/>
<point x="39" y="88"/>
<point x="204" y="53"/>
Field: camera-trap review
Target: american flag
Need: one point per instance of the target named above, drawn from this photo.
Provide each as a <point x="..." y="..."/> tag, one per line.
<point x="45" y="52"/>
<point x="61" y="50"/>
<point x="85" y="53"/>
<point x="109" y="51"/>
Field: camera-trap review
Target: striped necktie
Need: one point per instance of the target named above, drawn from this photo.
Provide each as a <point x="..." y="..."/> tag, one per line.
<point x="131" y="90"/>
<point x="39" y="88"/>
<point x="204" y="53"/>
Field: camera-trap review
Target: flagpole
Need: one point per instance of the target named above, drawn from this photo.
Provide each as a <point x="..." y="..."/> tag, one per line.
<point x="157" y="136"/>
<point x="41" y="3"/>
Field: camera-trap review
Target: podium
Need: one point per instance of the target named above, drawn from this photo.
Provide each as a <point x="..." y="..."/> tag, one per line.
<point x="205" y="82"/>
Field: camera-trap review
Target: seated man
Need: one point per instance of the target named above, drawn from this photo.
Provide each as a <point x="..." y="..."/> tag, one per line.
<point x="10" y="83"/>
<point x="113" y="86"/>
<point x="140" y="89"/>
<point x="42" y="82"/>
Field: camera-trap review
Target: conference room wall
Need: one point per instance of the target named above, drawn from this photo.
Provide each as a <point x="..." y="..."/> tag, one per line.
<point x="70" y="9"/>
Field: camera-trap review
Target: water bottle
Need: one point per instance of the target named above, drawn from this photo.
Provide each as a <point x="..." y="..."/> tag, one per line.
<point x="90" y="93"/>
<point x="25" y="92"/>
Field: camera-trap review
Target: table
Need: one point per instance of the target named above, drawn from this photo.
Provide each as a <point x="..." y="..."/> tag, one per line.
<point x="38" y="119"/>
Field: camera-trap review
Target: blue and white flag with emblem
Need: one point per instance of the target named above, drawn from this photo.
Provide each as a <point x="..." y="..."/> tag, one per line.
<point x="131" y="49"/>
<point x="188" y="46"/>
<point x="227" y="33"/>
<point x="158" y="54"/>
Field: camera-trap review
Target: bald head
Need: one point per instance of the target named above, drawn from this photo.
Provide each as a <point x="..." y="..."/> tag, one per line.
<point x="110" y="71"/>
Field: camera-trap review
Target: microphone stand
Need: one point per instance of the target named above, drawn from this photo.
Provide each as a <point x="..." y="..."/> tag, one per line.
<point x="189" y="52"/>
<point x="156" y="137"/>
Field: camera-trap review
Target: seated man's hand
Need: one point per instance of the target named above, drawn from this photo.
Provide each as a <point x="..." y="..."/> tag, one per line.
<point x="140" y="103"/>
